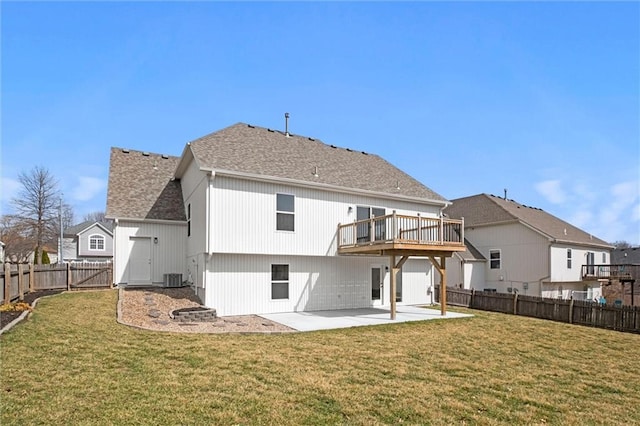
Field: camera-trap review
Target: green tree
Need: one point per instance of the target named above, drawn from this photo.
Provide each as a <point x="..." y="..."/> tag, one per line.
<point x="45" y="258"/>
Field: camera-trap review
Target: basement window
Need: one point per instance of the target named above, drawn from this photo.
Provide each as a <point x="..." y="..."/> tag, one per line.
<point x="279" y="282"/>
<point x="494" y="257"/>
<point x="285" y="212"/>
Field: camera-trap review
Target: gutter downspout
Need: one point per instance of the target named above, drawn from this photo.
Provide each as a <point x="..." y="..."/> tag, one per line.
<point x="114" y="253"/>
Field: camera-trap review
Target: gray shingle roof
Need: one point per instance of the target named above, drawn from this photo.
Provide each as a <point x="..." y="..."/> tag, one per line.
<point x="261" y="151"/>
<point x="471" y="253"/>
<point x="484" y="209"/>
<point x="626" y="256"/>
<point x="141" y="186"/>
<point x="72" y="231"/>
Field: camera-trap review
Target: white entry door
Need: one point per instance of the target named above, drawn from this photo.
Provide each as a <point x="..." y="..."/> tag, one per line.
<point x="377" y="288"/>
<point x="140" y="260"/>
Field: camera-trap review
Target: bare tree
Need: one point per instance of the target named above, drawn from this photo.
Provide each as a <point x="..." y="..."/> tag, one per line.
<point x="621" y="244"/>
<point x="17" y="245"/>
<point x="94" y="217"/>
<point x="37" y="207"/>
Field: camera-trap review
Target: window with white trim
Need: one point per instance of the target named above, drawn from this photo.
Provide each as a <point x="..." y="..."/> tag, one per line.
<point x="494" y="259"/>
<point x="285" y="212"/>
<point x="96" y="242"/>
<point x="604" y="257"/>
<point x="279" y="282"/>
<point x="568" y="258"/>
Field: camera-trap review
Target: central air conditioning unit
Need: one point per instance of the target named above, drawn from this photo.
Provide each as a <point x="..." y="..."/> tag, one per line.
<point x="172" y="280"/>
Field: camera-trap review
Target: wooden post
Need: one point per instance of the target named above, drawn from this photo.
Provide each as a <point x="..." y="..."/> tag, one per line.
<point x="515" y="304"/>
<point x="443" y="275"/>
<point x="7" y="283"/>
<point x="20" y="282"/>
<point x="392" y="287"/>
<point x="68" y="276"/>
<point x="571" y="311"/>
<point x="473" y="293"/>
<point x="441" y="266"/>
<point x="32" y="278"/>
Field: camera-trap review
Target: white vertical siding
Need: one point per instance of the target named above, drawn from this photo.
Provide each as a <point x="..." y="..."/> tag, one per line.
<point x="524" y="256"/>
<point x="194" y="185"/>
<point x="241" y="284"/>
<point x="244" y="217"/>
<point x="167" y="255"/>
<point x="559" y="267"/>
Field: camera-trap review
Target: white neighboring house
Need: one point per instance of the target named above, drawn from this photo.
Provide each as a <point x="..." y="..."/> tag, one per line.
<point x="88" y="242"/>
<point x="250" y="217"/>
<point x="528" y="250"/>
<point x="466" y="269"/>
<point x="1" y="252"/>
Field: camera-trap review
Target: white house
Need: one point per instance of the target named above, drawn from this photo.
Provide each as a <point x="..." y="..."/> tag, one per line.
<point x="251" y="218"/>
<point x="88" y="241"/>
<point x="528" y="250"/>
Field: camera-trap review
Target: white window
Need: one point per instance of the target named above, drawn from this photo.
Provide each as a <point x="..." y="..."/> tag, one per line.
<point x="279" y="281"/>
<point x="96" y="242"/>
<point x="494" y="258"/>
<point x="604" y="257"/>
<point x="285" y="212"/>
<point x="568" y="258"/>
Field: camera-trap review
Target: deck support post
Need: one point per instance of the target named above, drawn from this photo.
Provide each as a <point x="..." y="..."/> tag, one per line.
<point x="441" y="266"/>
<point x="395" y="268"/>
<point x="392" y="287"/>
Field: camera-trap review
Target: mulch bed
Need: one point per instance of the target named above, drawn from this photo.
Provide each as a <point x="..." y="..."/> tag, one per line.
<point x="7" y="317"/>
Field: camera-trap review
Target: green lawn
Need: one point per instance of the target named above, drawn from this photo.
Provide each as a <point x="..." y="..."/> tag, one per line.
<point x="71" y="363"/>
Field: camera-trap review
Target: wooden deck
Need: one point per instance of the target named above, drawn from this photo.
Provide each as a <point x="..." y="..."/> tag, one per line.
<point x="611" y="272"/>
<point x="402" y="235"/>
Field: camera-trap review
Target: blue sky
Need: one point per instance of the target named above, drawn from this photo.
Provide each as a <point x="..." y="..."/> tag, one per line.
<point x="540" y="98"/>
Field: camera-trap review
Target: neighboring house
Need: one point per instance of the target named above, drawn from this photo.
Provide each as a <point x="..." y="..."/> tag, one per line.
<point x="89" y="242"/>
<point x="624" y="274"/>
<point x="250" y="217"/>
<point x="530" y="251"/>
<point x="626" y="256"/>
<point x="1" y="252"/>
<point x="467" y="269"/>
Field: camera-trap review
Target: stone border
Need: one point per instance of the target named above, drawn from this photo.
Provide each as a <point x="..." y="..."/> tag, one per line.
<point x="26" y="313"/>
<point x="120" y="321"/>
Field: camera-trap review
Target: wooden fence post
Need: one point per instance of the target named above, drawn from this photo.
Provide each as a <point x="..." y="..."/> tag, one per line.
<point x="32" y="278"/>
<point x="7" y="283"/>
<point x="515" y="304"/>
<point x="473" y="293"/>
<point x="571" y="311"/>
<point x="20" y="281"/>
<point x="68" y="276"/>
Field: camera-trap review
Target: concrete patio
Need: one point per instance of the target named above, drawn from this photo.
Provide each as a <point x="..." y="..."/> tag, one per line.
<point x="345" y="318"/>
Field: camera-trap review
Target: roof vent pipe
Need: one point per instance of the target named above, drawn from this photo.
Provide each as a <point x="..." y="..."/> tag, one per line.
<point x="286" y="124"/>
<point x="505" y="193"/>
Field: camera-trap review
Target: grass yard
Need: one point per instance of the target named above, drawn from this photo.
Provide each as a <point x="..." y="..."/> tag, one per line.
<point x="71" y="363"/>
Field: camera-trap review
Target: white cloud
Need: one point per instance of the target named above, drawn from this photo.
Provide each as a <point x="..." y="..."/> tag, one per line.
<point x="551" y="190"/>
<point x="88" y="187"/>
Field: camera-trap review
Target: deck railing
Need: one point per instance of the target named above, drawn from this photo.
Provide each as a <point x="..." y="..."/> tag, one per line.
<point x="396" y="228"/>
<point x="611" y="272"/>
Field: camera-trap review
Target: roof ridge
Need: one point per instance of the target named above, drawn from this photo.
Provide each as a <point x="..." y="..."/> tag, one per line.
<point x="491" y="199"/>
<point x="149" y="153"/>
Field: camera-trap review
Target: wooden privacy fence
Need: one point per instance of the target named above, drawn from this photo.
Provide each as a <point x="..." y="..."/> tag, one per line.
<point x="584" y="312"/>
<point x="16" y="280"/>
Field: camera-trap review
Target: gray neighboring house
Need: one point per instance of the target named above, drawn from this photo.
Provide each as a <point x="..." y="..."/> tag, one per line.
<point x="88" y="242"/>
<point x="626" y="256"/>
<point x="530" y="251"/>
